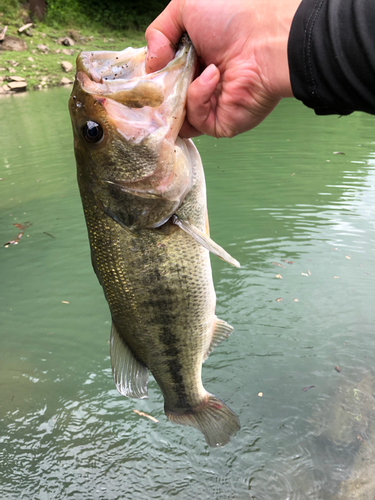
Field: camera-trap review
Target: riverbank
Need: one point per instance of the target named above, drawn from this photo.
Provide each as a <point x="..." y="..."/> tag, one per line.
<point x="49" y="54"/>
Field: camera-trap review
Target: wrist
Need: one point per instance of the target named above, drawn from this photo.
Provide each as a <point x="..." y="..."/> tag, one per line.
<point x="273" y="50"/>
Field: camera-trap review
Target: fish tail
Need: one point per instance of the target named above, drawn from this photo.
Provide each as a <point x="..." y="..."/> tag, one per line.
<point x="213" y="418"/>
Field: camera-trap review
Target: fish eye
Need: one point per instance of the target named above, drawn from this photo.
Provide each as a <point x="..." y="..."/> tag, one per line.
<point x="92" y="132"/>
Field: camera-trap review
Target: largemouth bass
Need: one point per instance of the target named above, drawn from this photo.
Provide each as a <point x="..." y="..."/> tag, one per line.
<point x="144" y="198"/>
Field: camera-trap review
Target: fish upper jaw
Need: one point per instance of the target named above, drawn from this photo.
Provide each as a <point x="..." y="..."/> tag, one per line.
<point x="139" y="104"/>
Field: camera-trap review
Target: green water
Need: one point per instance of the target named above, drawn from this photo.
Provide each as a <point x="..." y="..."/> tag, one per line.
<point x="276" y="195"/>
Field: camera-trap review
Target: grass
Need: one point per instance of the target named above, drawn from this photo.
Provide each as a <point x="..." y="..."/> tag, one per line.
<point x="43" y="70"/>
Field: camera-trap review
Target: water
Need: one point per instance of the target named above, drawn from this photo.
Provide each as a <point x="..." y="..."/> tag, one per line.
<point x="298" y="217"/>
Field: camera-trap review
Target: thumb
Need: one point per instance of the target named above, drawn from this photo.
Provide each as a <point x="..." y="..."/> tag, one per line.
<point x="200" y="111"/>
<point x="159" y="52"/>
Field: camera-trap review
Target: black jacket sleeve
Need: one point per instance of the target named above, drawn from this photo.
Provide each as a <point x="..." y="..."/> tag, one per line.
<point x="331" y="53"/>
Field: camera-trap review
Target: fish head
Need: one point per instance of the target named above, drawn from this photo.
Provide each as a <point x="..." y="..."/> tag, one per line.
<point x="130" y="160"/>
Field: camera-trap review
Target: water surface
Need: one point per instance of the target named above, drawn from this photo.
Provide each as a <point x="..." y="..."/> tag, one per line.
<point x="301" y="221"/>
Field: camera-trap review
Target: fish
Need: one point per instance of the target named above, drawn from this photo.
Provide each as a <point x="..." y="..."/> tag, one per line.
<point x="144" y="199"/>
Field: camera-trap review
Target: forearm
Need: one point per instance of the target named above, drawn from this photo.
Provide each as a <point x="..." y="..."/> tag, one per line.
<point x="331" y="55"/>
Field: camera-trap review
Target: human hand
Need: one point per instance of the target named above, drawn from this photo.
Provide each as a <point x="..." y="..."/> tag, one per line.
<point x="242" y="51"/>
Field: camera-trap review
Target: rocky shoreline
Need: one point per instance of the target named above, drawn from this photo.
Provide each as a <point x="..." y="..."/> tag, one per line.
<point x="34" y="57"/>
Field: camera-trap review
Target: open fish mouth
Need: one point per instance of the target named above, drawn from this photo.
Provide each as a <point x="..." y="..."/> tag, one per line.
<point x="121" y="77"/>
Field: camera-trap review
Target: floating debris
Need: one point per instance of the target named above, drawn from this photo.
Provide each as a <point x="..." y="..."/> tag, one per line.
<point x="48" y="234"/>
<point x="16" y="239"/>
<point x="288" y="261"/>
<point x="64" y="302"/>
<point x="260" y="394"/>
<point x="338" y="153"/>
<point x="279" y="276"/>
<point x="338" y="369"/>
<point x="142" y="414"/>
<point x="279" y="300"/>
<point x="277" y="264"/>
<point x="347" y="256"/>
<point x="307" y="388"/>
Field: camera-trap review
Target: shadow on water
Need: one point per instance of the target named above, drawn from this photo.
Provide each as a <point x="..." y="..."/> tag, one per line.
<point x="299" y="218"/>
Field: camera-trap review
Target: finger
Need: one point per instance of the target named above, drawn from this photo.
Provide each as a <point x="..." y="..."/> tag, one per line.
<point x="159" y="52"/>
<point x="200" y="113"/>
<point x="163" y="35"/>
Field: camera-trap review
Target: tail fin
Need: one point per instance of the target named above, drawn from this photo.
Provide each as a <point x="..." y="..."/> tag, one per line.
<point x="214" y="419"/>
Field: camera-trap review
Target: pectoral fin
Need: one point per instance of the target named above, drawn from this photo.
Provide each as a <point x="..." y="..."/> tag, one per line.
<point x="222" y="330"/>
<point x="129" y="374"/>
<point x="204" y="240"/>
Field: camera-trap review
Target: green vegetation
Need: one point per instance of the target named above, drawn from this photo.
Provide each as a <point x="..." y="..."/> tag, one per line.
<point x="92" y="24"/>
<point x="115" y="14"/>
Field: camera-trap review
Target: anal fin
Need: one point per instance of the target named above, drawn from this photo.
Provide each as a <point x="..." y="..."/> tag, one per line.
<point x="222" y="330"/>
<point x="204" y="240"/>
<point x="129" y="374"/>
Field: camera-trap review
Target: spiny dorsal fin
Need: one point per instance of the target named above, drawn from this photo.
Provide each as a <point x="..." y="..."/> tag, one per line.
<point x="204" y="240"/>
<point x="129" y="374"/>
<point x="222" y="330"/>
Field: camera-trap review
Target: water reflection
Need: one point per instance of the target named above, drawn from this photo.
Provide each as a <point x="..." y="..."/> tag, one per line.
<point x="299" y="218"/>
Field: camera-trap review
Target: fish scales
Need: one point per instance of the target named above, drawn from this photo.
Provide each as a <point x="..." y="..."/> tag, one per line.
<point x="143" y="195"/>
<point x="157" y="289"/>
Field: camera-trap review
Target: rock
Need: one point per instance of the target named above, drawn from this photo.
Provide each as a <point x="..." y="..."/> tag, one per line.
<point x="13" y="43"/>
<point x="2" y="69"/>
<point x="17" y="79"/>
<point x="2" y="34"/>
<point x="11" y="70"/>
<point x="18" y="86"/>
<point x="2" y="91"/>
<point x="1" y="79"/>
<point x="76" y="35"/>
<point x="65" y="40"/>
<point x="24" y="27"/>
<point x="43" y="48"/>
<point x="29" y="32"/>
<point x="67" y="52"/>
<point x="65" y="81"/>
<point x="30" y="59"/>
<point x="67" y="66"/>
<point x="6" y="88"/>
